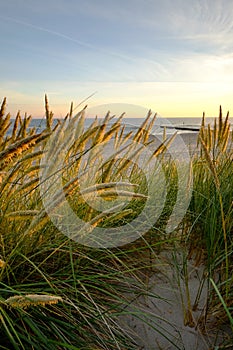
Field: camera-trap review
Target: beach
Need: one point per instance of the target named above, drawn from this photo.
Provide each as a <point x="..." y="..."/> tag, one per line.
<point x="166" y="322"/>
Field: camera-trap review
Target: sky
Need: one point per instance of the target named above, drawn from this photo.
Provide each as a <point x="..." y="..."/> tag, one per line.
<point x="172" y="56"/>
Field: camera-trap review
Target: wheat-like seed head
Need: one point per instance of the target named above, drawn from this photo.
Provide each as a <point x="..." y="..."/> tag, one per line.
<point x="143" y="127"/>
<point x="107" y="172"/>
<point x="210" y="139"/>
<point x="104" y="186"/>
<point x="24" y="301"/>
<point x="108" y="195"/>
<point x="48" y="114"/>
<point x="215" y="133"/>
<point x="4" y="125"/>
<point x="21" y="214"/>
<point x="16" y="149"/>
<point x="3" y="108"/>
<point x="15" y="127"/>
<point x="226" y="139"/>
<point x="109" y="134"/>
<point x="210" y="162"/>
<point x="120" y="136"/>
<point x="100" y="134"/>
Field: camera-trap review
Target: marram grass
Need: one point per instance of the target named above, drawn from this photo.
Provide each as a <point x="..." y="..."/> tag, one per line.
<point x="76" y="292"/>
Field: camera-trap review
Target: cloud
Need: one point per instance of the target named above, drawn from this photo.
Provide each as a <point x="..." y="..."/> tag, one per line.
<point x="204" y="21"/>
<point x="201" y="68"/>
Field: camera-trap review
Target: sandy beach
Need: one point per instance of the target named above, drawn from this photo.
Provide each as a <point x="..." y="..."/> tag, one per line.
<point x="164" y="322"/>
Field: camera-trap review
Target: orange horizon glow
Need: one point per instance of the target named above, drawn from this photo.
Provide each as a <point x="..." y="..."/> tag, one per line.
<point x="169" y="100"/>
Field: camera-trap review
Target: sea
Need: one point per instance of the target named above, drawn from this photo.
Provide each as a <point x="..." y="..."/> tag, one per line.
<point x="187" y="128"/>
<point x="180" y="125"/>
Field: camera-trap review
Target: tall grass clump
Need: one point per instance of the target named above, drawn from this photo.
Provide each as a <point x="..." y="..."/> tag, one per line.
<point x="212" y="211"/>
<point x="54" y="292"/>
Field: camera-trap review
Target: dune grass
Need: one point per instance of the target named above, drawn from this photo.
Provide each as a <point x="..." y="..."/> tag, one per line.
<point x="211" y="209"/>
<point x="58" y="294"/>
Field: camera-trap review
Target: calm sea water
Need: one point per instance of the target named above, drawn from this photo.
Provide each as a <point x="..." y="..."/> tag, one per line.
<point x="132" y="123"/>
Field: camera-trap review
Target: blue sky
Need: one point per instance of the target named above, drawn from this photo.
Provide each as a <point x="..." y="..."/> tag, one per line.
<point x="174" y="56"/>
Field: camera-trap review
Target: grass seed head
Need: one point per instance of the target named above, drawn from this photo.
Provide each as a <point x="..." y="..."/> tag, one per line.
<point x="25" y="301"/>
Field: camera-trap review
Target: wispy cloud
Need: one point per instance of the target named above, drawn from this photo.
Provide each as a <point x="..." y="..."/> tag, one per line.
<point x="49" y="31"/>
